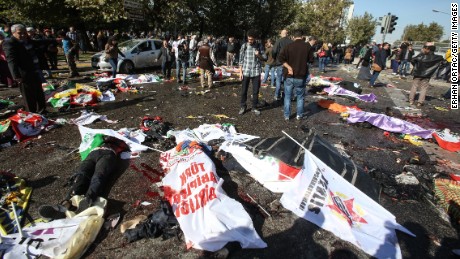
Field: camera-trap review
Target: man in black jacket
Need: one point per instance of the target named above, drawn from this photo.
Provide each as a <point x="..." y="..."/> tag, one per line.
<point x="24" y="71"/>
<point x="277" y="48"/>
<point x="294" y="58"/>
<point x="425" y="65"/>
<point x="381" y="60"/>
<point x="405" y="56"/>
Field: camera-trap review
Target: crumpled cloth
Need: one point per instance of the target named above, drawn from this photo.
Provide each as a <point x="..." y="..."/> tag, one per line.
<point x="388" y="123"/>
<point x="337" y="90"/>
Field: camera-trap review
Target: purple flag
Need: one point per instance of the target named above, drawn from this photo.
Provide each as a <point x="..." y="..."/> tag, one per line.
<point x="389" y="123"/>
<point x="337" y="90"/>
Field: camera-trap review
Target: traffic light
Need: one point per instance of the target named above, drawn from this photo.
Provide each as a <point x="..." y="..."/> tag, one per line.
<point x="383" y="23"/>
<point x="392" y="23"/>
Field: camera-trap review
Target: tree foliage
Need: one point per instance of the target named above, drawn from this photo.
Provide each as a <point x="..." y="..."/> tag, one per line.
<point x="361" y="29"/>
<point x="422" y="32"/>
<point x="322" y="19"/>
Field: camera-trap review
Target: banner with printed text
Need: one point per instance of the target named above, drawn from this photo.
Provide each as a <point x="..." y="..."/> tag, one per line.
<point x="207" y="216"/>
<point x="323" y="197"/>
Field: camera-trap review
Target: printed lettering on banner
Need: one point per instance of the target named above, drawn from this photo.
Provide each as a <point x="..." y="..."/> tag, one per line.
<point x="323" y="197"/>
<point x="202" y="208"/>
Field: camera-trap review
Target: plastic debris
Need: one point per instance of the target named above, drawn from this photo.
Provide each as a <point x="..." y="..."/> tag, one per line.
<point x="407" y="178"/>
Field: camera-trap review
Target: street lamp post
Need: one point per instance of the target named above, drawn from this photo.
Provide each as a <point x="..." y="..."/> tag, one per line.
<point x="437" y="11"/>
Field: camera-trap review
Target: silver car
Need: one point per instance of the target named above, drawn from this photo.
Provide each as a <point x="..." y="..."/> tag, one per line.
<point x="139" y="53"/>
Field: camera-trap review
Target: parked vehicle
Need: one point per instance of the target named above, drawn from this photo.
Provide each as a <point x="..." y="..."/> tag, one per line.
<point x="139" y="53"/>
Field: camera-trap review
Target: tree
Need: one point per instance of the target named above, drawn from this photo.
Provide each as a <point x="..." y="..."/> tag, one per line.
<point x="323" y="18"/>
<point x="422" y="32"/>
<point x="361" y="29"/>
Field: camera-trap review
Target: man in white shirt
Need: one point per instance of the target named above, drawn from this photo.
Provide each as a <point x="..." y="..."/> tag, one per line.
<point x="193" y="47"/>
<point x="180" y="49"/>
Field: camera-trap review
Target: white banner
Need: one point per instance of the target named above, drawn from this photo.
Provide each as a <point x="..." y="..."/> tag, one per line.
<point x="323" y="197"/>
<point x="133" y="139"/>
<point x="207" y="216"/>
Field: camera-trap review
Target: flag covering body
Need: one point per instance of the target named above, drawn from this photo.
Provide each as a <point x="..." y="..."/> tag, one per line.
<point x="207" y="216"/>
<point x="323" y="197"/>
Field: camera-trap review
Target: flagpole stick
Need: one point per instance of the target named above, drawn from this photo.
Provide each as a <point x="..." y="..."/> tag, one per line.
<point x="18" y="224"/>
<point x="294" y="140"/>
<point x="258" y="205"/>
<point x="16" y="218"/>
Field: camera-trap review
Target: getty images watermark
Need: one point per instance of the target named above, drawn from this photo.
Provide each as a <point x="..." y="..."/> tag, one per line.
<point x="454" y="51"/>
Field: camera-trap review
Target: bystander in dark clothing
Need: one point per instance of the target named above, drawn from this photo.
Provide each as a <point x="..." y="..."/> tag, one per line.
<point x="379" y="59"/>
<point x="205" y="59"/>
<point x="23" y="70"/>
<point x="425" y="65"/>
<point x="277" y="48"/>
<point x="167" y="59"/>
<point x="5" y="74"/>
<point x="294" y="58"/>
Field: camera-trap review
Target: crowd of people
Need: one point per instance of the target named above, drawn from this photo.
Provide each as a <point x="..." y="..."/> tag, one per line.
<point x="28" y="54"/>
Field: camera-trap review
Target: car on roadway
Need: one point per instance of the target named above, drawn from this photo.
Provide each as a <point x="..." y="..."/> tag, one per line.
<point x="139" y="53"/>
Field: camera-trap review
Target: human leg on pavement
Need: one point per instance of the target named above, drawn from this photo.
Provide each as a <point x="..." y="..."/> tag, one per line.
<point x="266" y="73"/>
<point x="413" y="90"/>
<point x="244" y="91"/>
<point x="279" y="75"/>
<point x="178" y="66"/>
<point x="300" y="93"/>
<point x="374" y="77"/>
<point x="288" y="87"/>
<point x="272" y="76"/>
<point x="184" y="70"/>
<point x="255" y="91"/>
<point x="424" y="84"/>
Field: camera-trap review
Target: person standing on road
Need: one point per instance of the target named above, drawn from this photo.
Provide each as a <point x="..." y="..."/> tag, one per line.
<point x="193" y="47"/>
<point x="75" y="37"/>
<point x="279" y="45"/>
<point x="294" y="58"/>
<point x="231" y="50"/>
<point x="112" y="51"/>
<point x="251" y="58"/>
<point x="425" y="65"/>
<point x="180" y="48"/>
<point x="51" y="50"/>
<point x="405" y="56"/>
<point x="381" y="60"/>
<point x="23" y="70"/>
<point x="269" y="68"/>
<point x="5" y="74"/>
<point x="205" y="59"/>
<point x="167" y="58"/>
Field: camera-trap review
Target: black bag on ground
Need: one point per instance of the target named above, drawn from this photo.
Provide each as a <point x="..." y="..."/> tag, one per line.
<point x="292" y="154"/>
<point x="350" y="86"/>
<point x="161" y="223"/>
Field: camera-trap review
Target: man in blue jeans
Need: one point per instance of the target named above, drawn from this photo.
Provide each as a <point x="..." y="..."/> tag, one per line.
<point x="294" y="58"/>
<point x="277" y="48"/>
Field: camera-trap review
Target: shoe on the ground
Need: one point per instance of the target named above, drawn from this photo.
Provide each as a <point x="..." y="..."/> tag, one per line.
<point x="419" y="104"/>
<point x="411" y="103"/>
<point x="276" y="98"/>
<point x="256" y="112"/>
<point x="84" y="204"/>
<point x="52" y="211"/>
<point x="298" y="117"/>
<point x="394" y="73"/>
<point x="272" y="86"/>
<point x="242" y="110"/>
<point x="286" y="118"/>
